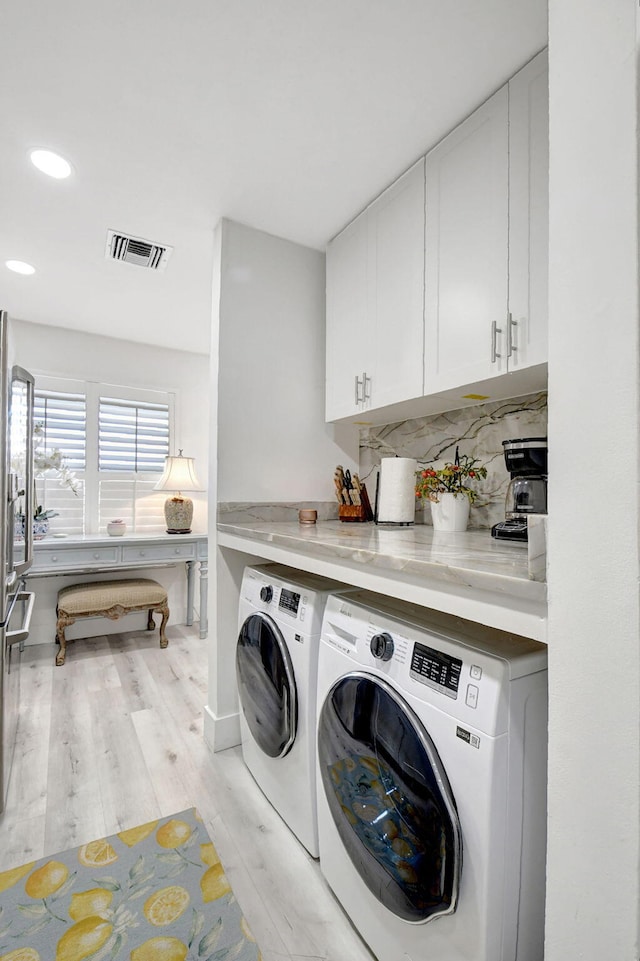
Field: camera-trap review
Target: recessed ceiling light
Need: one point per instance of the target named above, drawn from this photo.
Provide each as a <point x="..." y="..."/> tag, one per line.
<point x="50" y="163"/>
<point x="19" y="267"/>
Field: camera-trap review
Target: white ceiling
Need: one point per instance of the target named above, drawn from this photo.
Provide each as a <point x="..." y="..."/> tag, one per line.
<point x="287" y="115"/>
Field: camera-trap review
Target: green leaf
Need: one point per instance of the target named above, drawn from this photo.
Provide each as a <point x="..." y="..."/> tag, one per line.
<point x="116" y="947"/>
<point x="64" y="888"/>
<point x="35" y="927"/>
<point x="176" y="870"/>
<point x="170" y="857"/>
<point x="33" y="910"/>
<point x="137" y="869"/>
<point x="109" y="884"/>
<point x="210" y="940"/>
<point x="228" y="954"/>
<point x="197" y="924"/>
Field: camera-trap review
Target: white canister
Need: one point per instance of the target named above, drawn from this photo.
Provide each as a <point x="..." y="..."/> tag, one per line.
<point x="397" y="490"/>
<point x="116" y="528"/>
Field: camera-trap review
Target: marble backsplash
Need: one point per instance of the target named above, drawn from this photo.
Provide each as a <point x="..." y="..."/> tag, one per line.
<point x="477" y="431"/>
<point x="236" y="512"/>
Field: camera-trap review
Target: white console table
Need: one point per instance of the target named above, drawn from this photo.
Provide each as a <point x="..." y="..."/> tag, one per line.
<point x="100" y="554"/>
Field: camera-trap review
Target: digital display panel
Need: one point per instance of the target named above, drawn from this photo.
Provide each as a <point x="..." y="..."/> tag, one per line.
<point x="436" y="669"/>
<point x="289" y="601"/>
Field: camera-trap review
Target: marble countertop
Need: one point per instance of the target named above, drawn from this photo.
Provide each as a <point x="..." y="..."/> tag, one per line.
<point x="468" y="573"/>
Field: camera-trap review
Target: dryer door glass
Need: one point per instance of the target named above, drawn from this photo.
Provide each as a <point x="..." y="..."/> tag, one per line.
<point x="266" y="685"/>
<point x="390" y="798"/>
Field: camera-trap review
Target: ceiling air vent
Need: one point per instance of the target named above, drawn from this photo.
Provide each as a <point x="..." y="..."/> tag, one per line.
<point x="135" y="250"/>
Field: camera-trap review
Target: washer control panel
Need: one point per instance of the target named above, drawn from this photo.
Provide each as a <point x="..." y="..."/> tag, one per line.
<point x="289" y="602"/>
<point x="435" y="669"/>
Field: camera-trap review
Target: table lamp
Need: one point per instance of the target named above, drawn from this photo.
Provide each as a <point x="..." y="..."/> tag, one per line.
<point x="179" y="475"/>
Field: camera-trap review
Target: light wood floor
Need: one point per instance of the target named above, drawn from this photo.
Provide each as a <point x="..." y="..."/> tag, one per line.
<point x="114" y="738"/>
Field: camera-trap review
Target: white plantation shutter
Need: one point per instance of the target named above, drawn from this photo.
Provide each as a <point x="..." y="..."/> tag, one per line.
<point x="64" y="421"/>
<point x="63" y="418"/>
<point x="134" y="501"/>
<point x="132" y="436"/>
<point x="115" y="440"/>
<point x="69" y="506"/>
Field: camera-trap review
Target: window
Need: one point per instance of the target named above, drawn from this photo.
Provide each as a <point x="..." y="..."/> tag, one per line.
<point x="114" y="440"/>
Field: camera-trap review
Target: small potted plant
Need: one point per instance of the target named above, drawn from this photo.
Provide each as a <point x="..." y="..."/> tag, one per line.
<point x="41" y="522"/>
<point x="450" y="490"/>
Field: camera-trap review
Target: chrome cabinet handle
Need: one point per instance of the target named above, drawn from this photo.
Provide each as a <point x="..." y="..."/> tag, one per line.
<point x="366" y="394"/>
<point x="511" y="347"/>
<point x="359" y="384"/>
<point x="495" y="330"/>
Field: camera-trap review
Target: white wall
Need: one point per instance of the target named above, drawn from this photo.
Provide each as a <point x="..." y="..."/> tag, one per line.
<point x="273" y="443"/>
<point x="593" y="892"/>
<point x="267" y="377"/>
<point x="58" y="352"/>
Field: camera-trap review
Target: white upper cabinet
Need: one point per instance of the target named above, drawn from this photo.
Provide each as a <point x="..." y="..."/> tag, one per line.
<point x="375" y="303"/>
<point x="466" y="246"/>
<point x="396" y="245"/>
<point x="347" y="338"/>
<point x="529" y="213"/>
<point x="486" y="238"/>
<point x="440" y="286"/>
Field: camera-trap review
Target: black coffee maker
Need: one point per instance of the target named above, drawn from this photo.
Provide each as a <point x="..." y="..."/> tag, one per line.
<point x="526" y="460"/>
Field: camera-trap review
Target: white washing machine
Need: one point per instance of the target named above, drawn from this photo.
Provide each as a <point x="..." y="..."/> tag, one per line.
<point x="432" y="749"/>
<point x="279" y="622"/>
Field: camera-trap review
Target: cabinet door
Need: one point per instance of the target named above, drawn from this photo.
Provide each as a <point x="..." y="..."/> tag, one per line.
<point x="346" y="319"/>
<point x="396" y="258"/>
<point x="467" y="210"/>
<point x="529" y="213"/>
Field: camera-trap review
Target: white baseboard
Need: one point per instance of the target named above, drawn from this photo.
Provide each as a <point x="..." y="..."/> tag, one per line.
<point x="221" y="732"/>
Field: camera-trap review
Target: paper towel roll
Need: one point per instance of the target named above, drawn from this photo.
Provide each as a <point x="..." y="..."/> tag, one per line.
<point x="396" y="493"/>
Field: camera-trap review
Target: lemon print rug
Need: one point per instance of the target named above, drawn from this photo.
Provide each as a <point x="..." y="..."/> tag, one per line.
<point x="157" y="892"/>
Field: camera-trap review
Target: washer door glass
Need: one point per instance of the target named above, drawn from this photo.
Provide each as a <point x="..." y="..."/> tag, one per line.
<point x="390" y="798"/>
<point x="266" y="685"/>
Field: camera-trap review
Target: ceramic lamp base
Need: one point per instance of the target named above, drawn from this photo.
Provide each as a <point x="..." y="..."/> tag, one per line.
<point x="178" y="514"/>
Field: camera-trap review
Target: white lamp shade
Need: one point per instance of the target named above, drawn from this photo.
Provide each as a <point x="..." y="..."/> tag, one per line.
<point x="179" y="475"/>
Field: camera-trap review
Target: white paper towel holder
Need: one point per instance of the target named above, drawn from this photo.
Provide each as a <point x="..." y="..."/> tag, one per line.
<point x="390" y="523"/>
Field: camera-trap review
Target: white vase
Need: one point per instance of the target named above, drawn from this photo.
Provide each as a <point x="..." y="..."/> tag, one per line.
<point x="450" y="513"/>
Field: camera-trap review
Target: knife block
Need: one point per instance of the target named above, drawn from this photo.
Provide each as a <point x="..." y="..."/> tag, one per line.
<point x="352" y="512"/>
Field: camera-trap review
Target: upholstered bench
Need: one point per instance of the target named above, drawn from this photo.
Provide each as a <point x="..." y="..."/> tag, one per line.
<point x="111" y="599"/>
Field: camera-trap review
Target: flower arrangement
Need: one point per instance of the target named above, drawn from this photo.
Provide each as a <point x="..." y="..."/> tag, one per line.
<point x="50" y="460"/>
<point x="450" y="479"/>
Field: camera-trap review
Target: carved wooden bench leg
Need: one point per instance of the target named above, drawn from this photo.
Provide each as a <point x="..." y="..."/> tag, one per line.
<point x="164" y="610"/>
<point x="62" y="622"/>
<point x="151" y="624"/>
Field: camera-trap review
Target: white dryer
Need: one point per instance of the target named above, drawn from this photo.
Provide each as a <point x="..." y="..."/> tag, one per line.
<point x="279" y="622"/>
<point x="432" y="736"/>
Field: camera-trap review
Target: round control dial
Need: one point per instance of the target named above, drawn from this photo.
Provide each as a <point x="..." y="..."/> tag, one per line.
<point x="266" y="593"/>
<point x="382" y="646"/>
